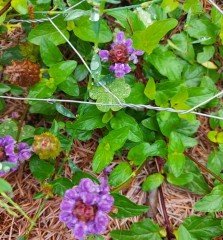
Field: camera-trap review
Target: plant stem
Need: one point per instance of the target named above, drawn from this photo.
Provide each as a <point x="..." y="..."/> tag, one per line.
<point x="16" y="206"/>
<point x="205" y="169"/>
<point x="35" y="218"/>
<point x="21" y="122"/>
<point x="7" y="208"/>
<point x="130" y="179"/>
<point x="5" y="8"/>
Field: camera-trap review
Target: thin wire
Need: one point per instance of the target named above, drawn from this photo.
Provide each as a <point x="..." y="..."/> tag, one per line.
<point x="216" y="6"/>
<point x="130" y="105"/>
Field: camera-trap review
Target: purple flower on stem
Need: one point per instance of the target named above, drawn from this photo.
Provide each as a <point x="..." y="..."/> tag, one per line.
<point x="12" y="153"/>
<point x="120" y="54"/>
<point x="85" y="208"/>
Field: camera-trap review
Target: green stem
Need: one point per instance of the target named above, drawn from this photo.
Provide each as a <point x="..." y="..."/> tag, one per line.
<point x="21" y="122"/>
<point x="205" y="169"/>
<point x="130" y="178"/>
<point x="16" y="206"/>
<point x="7" y="208"/>
<point x="35" y="218"/>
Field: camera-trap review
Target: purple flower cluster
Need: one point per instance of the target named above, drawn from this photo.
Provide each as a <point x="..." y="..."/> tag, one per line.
<point x="12" y="153"/>
<point x="121" y="53"/>
<point x="85" y="208"/>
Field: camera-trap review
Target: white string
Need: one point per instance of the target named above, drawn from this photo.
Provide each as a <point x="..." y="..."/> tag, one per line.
<point x="216" y="6"/>
<point x="130" y="105"/>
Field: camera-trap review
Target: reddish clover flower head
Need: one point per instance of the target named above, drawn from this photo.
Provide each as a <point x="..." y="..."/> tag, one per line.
<point x="12" y="153"/>
<point x="85" y="208"/>
<point x="120" y="54"/>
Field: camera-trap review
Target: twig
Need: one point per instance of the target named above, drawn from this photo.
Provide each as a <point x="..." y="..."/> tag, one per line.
<point x="5" y="8"/>
<point x="205" y="169"/>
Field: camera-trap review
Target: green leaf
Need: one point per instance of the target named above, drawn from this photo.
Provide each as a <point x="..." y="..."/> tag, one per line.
<point x="60" y="185"/>
<point x="193" y="6"/>
<point x="64" y="111"/>
<point x="27" y="132"/>
<point x="212" y="202"/>
<point x="156" y="32"/>
<point x="120" y="174"/>
<point x="78" y="175"/>
<point x="80" y="73"/>
<point x="183" y="179"/>
<point x="122" y="119"/>
<point x="182" y="45"/>
<point x="150" y="89"/>
<point x="8" y="127"/>
<point x="40" y="169"/>
<point x="70" y="86"/>
<point x="96" y="66"/>
<point x="144" y="230"/>
<point x="76" y="13"/>
<point x="127" y="208"/>
<point x="107" y="147"/>
<point x="85" y="30"/>
<point x="202" y="29"/>
<point x="137" y="95"/>
<point x="169" y="5"/>
<point x="47" y="31"/>
<point x="118" y="88"/>
<point x="152" y="181"/>
<point x="176" y="158"/>
<point x="20" y="6"/>
<point x="128" y="19"/>
<point x="43" y="89"/>
<point x="139" y="153"/>
<point x="50" y="53"/>
<point x="215" y="162"/>
<point x="202" y="228"/>
<point x="207" y="54"/>
<point x="61" y="71"/>
<point x="166" y="63"/>
<point x="5" y="186"/>
<point x="4" y="88"/>
<point x="90" y="119"/>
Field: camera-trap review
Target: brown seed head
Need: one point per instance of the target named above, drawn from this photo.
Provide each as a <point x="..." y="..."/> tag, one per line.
<point x="23" y="73"/>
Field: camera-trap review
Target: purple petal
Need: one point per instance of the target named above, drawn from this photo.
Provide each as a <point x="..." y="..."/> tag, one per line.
<point x="80" y="230"/>
<point x="104" y="55"/>
<point x="120" y="37"/>
<point x="88" y="185"/>
<point x="101" y="222"/>
<point x="120" y="69"/>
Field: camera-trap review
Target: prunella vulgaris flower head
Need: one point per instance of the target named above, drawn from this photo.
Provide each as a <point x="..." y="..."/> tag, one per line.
<point x="12" y="153"/>
<point x="120" y="55"/>
<point x="85" y="208"/>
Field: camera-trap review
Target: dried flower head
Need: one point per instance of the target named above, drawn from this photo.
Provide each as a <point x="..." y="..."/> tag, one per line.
<point x="46" y="145"/>
<point x="12" y="38"/>
<point x="11" y="154"/>
<point x="85" y="208"/>
<point x="23" y="73"/>
<point x="120" y="54"/>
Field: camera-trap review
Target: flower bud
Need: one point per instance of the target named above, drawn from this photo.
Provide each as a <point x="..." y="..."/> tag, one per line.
<point x="46" y="145"/>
